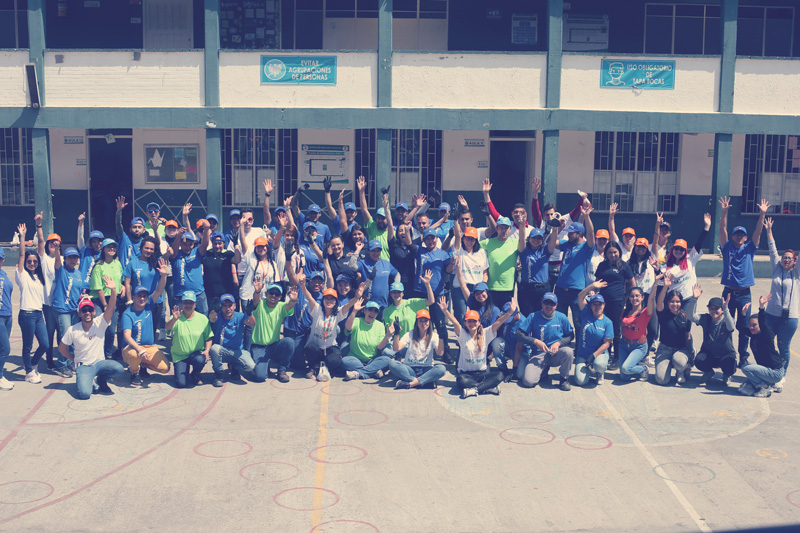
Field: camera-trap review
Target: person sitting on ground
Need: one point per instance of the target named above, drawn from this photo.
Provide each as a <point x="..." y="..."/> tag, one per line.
<point x="368" y="337"/>
<point x="717" y="349"/>
<point x="191" y="341"/>
<point x="86" y="339"/>
<point x="675" y="338"/>
<point x="228" y="347"/>
<point x="402" y="312"/>
<point x="768" y="368"/>
<point x="417" y="368"/>
<point x="595" y="337"/>
<point x="267" y="343"/>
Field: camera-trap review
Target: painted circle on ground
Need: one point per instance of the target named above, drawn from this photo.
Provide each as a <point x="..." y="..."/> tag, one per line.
<point x="203" y="426"/>
<point x="588" y="442"/>
<point x="772" y="453"/>
<point x="326" y="389"/>
<point x="269" y="471"/>
<point x="96" y="404"/>
<point x="684" y="472"/>
<point x="343" y="454"/>
<point x="218" y="449"/>
<point x="101" y="453"/>
<point x="24" y="491"/>
<point x="172" y="403"/>
<point x="535" y="436"/>
<point x="532" y="416"/>
<point x="141" y="391"/>
<point x="361" y="417"/>
<point x="304" y="494"/>
<point x="794" y="498"/>
<point x="283" y="386"/>
<point x="530" y="470"/>
<point x="350" y="526"/>
<point x="389" y="390"/>
<point x="784" y="407"/>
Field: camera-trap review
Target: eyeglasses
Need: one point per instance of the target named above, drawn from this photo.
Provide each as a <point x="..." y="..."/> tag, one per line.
<point x="247" y="219"/>
<point x="31" y="262"/>
<point x="274" y="293"/>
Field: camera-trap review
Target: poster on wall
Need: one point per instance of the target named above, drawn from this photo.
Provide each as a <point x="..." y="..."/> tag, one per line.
<point x="171" y="163"/>
<point x="637" y="74"/>
<point x="524" y="29"/>
<point x="319" y="161"/>
<point x="298" y="70"/>
<point x="585" y="33"/>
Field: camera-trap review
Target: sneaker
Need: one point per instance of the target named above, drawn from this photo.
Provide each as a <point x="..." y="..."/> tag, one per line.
<point x="351" y="374"/>
<point x="64" y="372"/>
<point x="645" y="375"/>
<point x="565" y="386"/>
<point x="217" y="382"/>
<point x="447" y="359"/>
<point x="493" y="390"/>
<point x="5" y="384"/>
<point x="763" y="392"/>
<point x="613" y="364"/>
<point x="235" y="376"/>
<point x="725" y="378"/>
<point x="310" y="374"/>
<point x="706" y="376"/>
<point x="600" y="378"/>
<point x="778" y="387"/>
<point x="379" y="374"/>
<point x="143" y="373"/>
<point x="747" y="389"/>
<point x="33" y="377"/>
<point x="681" y="379"/>
<point x="136" y="380"/>
<point x="283" y="377"/>
<point x="466" y="393"/>
<point x="402" y="384"/>
<point x="103" y="388"/>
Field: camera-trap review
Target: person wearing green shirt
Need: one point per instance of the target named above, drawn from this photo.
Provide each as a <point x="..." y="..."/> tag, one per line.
<point x="191" y="341"/>
<point x="402" y="313"/>
<point x="380" y="227"/>
<point x="108" y="265"/>
<point x="153" y="211"/>
<point x="368" y="336"/>
<point x="266" y="342"/>
<point x="501" y="252"/>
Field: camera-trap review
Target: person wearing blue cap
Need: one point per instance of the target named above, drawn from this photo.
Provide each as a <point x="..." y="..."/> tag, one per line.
<point x="144" y="271"/>
<point x="90" y="253"/>
<point x="594" y="338"/>
<point x="380" y="227"/>
<point x="297" y="326"/>
<point x="138" y="323"/>
<point x="187" y="265"/>
<point x="232" y="235"/>
<point x="378" y="273"/>
<point x="368" y="338"/>
<point x="154" y="225"/>
<point x="501" y="252"/>
<point x="737" y="270"/>
<point x="191" y="341"/>
<point x="267" y="343"/>
<point x="576" y="257"/>
<point x="219" y="269"/>
<point x="129" y="243"/>
<point x="548" y="333"/>
<point x="228" y="326"/>
<point x="6" y="322"/>
<point x="108" y="266"/>
<point x="323" y="233"/>
<point x="432" y="265"/>
<point x="69" y="284"/>
<point x="311" y="248"/>
<point x="402" y="312"/>
<point x="535" y="276"/>
<point x="344" y="216"/>
<point x="443" y="223"/>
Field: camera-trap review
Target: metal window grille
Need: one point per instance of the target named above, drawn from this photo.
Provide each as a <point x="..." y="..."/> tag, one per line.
<point x="365" y="161"/>
<point x="765" y="30"/>
<point x="16" y="166"/>
<point x="637" y="170"/>
<point x="772" y="171"/>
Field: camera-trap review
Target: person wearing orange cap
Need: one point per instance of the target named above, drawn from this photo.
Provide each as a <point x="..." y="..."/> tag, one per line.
<point x="187" y="265"/>
<point x="471" y="260"/>
<point x="628" y="234"/>
<point x="48" y="249"/>
<point x="681" y="261"/>
<point x="417" y="368"/>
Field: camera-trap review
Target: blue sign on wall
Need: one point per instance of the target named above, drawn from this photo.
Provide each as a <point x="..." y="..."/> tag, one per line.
<point x="298" y="70"/>
<point x="637" y="73"/>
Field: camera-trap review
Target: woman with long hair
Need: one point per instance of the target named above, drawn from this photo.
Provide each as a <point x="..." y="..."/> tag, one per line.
<point x="618" y="278"/>
<point x="644" y="265"/>
<point x="143" y="271"/>
<point x="633" y="345"/>
<point x="108" y="265"/>
<point x="675" y="339"/>
<point x="595" y="336"/>
<point x="30" y="280"/>
<point x="681" y="261"/>
<point x="471" y="265"/>
<point x="417" y="368"/>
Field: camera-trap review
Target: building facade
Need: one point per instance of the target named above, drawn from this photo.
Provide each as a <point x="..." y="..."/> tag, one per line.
<point x="655" y="106"/>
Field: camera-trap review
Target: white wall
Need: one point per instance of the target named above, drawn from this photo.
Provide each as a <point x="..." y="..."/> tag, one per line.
<point x="696" y="83"/>
<point x="474" y="81"/>
<point x="765" y="86"/>
<point x="575" y="161"/>
<point x="240" y="83"/>
<point x="13" y="84"/>
<point x="114" y="79"/>
<point x="460" y="163"/>
<point x="68" y="159"/>
<point x="142" y="137"/>
<point x="696" y="167"/>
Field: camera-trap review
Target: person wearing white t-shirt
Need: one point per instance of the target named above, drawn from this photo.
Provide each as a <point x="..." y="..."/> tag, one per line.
<point x="30" y="280"/>
<point x="87" y="338"/>
<point x="417" y="368"/>
<point x="681" y="262"/>
<point x="48" y="250"/>
<point x="473" y="263"/>
<point x="248" y="234"/>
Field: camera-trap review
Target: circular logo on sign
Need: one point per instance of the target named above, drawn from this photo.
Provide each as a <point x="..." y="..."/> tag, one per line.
<point x="274" y="69"/>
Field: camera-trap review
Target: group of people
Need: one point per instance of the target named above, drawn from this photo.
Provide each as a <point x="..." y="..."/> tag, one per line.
<point x="364" y="299"/>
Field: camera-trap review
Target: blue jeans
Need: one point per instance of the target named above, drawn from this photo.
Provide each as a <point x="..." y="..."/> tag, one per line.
<point x="32" y="325"/>
<point x="631" y="355"/>
<point x="5" y="341"/>
<point x="736" y="308"/>
<point x="50" y="322"/>
<point x="599" y="364"/>
<point x="64" y="321"/>
<point x="241" y="360"/>
<point x="759" y="376"/>
<point x="281" y="350"/>
<point x="426" y="374"/>
<point x="103" y="370"/>
<point x="391" y="354"/>
<point x="459" y="303"/>
<point x="784" y="331"/>
<point x="108" y="344"/>
<point x="191" y="366"/>
<point x="369" y="370"/>
<point x="248" y="330"/>
<point x="498" y="348"/>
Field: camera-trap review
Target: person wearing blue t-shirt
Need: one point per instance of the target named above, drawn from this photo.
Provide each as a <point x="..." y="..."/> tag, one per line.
<point x="228" y="326"/>
<point x="345" y="218"/>
<point x="89" y="254"/>
<point x="431" y="258"/>
<point x="378" y="274"/>
<point x="548" y="333"/>
<point x="297" y="326"/>
<point x="594" y="338"/>
<point x="187" y="265"/>
<point x="576" y="257"/>
<point x="443" y="225"/>
<point x="323" y="234"/>
<point x="309" y="244"/>
<point x="69" y="284"/>
<point x="534" y="278"/>
<point x="139" y="349"/>
<point x="737" y="270"/>
<point x="129" y="243"/>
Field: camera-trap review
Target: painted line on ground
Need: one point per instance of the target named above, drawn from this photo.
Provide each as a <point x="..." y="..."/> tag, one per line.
<point x="24" y="420"/>
<point x="687" y="506"/>
<point x="795" y="353"/>
<point x="319" y="470"/>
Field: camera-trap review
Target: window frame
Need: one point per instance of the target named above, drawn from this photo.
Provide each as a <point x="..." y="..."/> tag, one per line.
<point x="771" y="152"/>
<point x="17" y="165"/>
<point x="673" y="18"/>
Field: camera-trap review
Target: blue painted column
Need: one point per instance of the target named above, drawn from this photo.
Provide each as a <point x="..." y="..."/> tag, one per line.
<point x="213" y="135"/>
<point x="43" y="199"/>
<point x="723" y="141"/>
<point x="555" y="14"/>
<point x="383" y="155"/>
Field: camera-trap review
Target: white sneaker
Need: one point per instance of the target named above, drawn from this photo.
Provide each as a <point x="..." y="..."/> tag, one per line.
<point x="600" y="378"/>
<point x="778" y="387"/>
<point x="681" y="379"/>
<point x="351" y="374"/>
<point x="162" y="336"/>
<point x="33" y="377"/>
<point x="5" y="384"/>
<point x="466" y="393"/>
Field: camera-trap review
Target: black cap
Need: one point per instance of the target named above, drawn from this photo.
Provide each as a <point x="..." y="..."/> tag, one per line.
<point x="665" y="224"/>
<point x="715" y="302"/>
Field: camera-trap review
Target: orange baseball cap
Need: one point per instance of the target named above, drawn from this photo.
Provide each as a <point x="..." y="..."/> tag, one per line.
<point x="329" y="292"/>
<point x="472" y="315"/>
<point x="680" y="243"/>
<point x="199" y="223"/>
<point x="629" y="231"/>
<point x="423" y="313"/>
<point x="471" y="232"/>
<point x="642" y="242"/>
<point x="261" y="241"/>
<point x="173" y="223"/>
<point x="601" y="234"/>
<point x="53" y="237"/>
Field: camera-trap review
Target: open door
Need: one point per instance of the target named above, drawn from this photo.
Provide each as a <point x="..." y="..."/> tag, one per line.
<point x="110" y="176"/>
<point x="510" y="166"/>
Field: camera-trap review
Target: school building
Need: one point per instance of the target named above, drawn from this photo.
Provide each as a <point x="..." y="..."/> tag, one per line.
<point x="655" y="105"/>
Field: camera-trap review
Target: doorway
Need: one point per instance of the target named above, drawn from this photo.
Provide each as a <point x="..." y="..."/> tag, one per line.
<point x="110" y="176"/>
<point x="510" y="164"/>
<point x="168" y="25"/>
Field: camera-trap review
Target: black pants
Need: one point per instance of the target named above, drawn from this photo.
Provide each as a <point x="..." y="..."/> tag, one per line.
<point x="568" y="301"/>
<point x="500" y="298"/>
<point x="482" y="380"/>
<point x="332" y="357"/>
<point x="613" y="311"/>
<point x="706" y="362"/>
<point x="530" y="297"/>
<point x="298" y="361"/>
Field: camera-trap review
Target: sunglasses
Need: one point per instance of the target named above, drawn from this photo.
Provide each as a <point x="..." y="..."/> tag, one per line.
<point x="86" y="310"/>
<point x="274" y="293"/>
<point x="31" y="262"/>
<point x="152" y="210"/>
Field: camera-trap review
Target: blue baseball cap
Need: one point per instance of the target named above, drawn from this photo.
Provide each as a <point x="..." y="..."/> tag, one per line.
<point x="141" y="288"/>
<point x="2" y="254"/>
<point x="188" y="296"/>
<point x="374" y="245"/>
<point x="480" y="286"/>
<point x="96" y="235"/>
<point x="137" y="220"/>
<point x="234" y="213"/>
<point x="188" y="236"/>
<point x="279" y="209"/>
<point x="505" y="309"/>
<point x="107" y="242"/>
<point x="536" y="232"/>
<point x="344" y="277"/>
<point x="427" y="233"/>
<point x="504" y="221"/>
<point x="217" y="236"/>
<point x="372" y="305"/>
<point x="69" y="252"/>
<point x="314" y="208"/>
<point x="550" y="297"/>
<point x="350" y="206"/>
<point x="401" y="205"/>
<point x="444" y="206"/>
<point x="381" y="212"/>
<point x="227" y="298"/>
<point x="212" y="216"/>
<point x="396" y="286"/>
<point x="597" y="298"/>
<point x="739" y="229"/>
<point x="309" y="225"/>
<point x="576" y="227"/>
<point x="316" y="274"/>
<point x="152" y="205"/>
<point x="275" y="286"/>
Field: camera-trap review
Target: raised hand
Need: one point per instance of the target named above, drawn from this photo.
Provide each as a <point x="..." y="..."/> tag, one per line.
<point x="385" y="202"/>
<point x="726" y="300"/>
<point x="288" y="201"/>
<point x="613" y="210"/>
<point x="301" y="279"/>
<point x="667" y="281"/>
<point x="268" y="187"/>
<point x="341" y="197"/>
<point x="108" y="283"/>
<point x="81" y="218"/>
<point x="176" y="312"/>
<point x="536" y="185"/>
<point x="763" y="300"/>
<point x="707" y="221"/>
<point x="487" y="186"/>
<point x="212" y="316"/>
<point x="359" y="305"/>
<point x="327" y="183"/>
<point x="697" y="291"/>
<point x="587" y="209"/>
<point x="390" y="329"/>
<point x="764" y="205"/>
<point x="659" y="218"/>
<point x="258" y="286"/>
<point x="361" y="183"/>
<point x="121" y="203"/>
<point x="513" y="305"/>
<point x="768" y="223"/>
<point x="426" y="278"/>
<point x="420" y="200"/>
<point x="725" y="203"/>
<point x="442" y="303"/>
<point x="163" y="266"/>
<point x="38" y="218"/>
<point x="653" y="262"/>
<point x="463" y="202"/>
<point x="360" y="290"/>
<point x="457" y="262"/>
<point x="292" y="293"/>
<point x="186" y="209"/>
<point x="600" y="284"/>
<point x="22" y="229"/>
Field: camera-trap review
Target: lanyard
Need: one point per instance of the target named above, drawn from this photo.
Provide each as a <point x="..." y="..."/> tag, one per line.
<point x="784" y="303"/>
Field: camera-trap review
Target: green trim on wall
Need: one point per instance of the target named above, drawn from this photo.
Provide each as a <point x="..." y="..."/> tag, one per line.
<point x="211" y="53"/>
<point x="555" y="14"/>
<point x="214" y="170"/>
<point x="36" y="40"/>
<point x="383" y="161"/>
<point x="43" y="198"/>
<point x="721" y="177"/>
<point x="727" y="74"/>
<point x="385" y="44"/>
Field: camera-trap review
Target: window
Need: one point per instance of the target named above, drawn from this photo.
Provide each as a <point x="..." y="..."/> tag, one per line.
<point x="772" y="171"/>
<point x="14" y="24"/>
<point x="351" y="8"/>
<point x="251" y="24"/>
<point x="682" y="29"/>
<point x="419" y="9"/>
<point x="765" y="31"/>
<point x="638" y="171"/>
<point x="16" y="167"/>
<point x="249" y="156"/>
